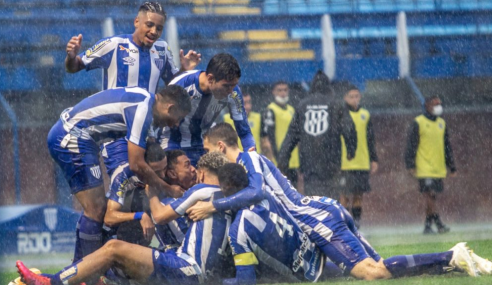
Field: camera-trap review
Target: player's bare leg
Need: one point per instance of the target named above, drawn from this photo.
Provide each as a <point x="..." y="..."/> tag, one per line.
<point x="136" y="261"/>
<point x="369" y="269"/>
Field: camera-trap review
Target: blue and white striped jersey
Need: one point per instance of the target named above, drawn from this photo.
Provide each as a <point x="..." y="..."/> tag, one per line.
<point x="310" y="213"/>
<point x="205" y="109"/>
<point x="267" y="231"/>
<point x="113" y="113"/>
<point x="206" y="240"/>
<point x="171" y="235"/>
<point x="126" y="64"/>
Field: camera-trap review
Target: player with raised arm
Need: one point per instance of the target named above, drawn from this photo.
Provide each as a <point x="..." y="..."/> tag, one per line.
<point x="326" y="222"/>
<point x="197" y="259"/>
<point x="73" y="143"/>
<point x="211" y="91"/>
<point x="138" y="59"/>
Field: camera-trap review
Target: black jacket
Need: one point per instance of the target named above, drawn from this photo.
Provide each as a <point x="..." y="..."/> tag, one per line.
<point x="316" y="127"/>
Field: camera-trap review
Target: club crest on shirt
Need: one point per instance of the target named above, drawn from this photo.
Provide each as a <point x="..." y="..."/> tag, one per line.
<point x="96" y="47"/>
<point x="363" y="117"/>
<point x="159" y="62"/>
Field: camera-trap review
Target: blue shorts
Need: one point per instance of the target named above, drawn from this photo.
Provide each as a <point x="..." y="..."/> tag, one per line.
<point x="331" y="227"/>
<point x="172" y="269"/>
<point x="78" y="156"/>
<point x="122" y="185"/>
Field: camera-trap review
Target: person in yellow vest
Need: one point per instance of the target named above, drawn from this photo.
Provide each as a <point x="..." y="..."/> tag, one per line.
<point x="427" y="157"/>
<point x="254" y="121"/>
<point x="276" y="121"/>
<point x="354" y="181"/>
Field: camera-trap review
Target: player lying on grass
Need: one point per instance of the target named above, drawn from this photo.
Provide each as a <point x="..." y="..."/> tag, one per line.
<point x="327" y="223"/>
<point x="194" y="262"/>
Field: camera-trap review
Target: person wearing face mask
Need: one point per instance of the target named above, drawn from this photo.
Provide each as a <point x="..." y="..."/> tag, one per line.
<point x="276" y="121"/>
<point x="428" y="156"/>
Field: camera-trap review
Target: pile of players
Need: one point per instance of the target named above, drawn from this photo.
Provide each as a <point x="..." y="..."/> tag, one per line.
<point x="235" y="208"/>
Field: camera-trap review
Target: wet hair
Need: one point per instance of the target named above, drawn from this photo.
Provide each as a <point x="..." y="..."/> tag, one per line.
<point x="232" y="178"/>
<point x="153" y="7"/>
<point x="172" y="157"/>
<point x="212" y="161"/>
<point x="224" y="66"/>
<point x="176" y="95"/>
<point x="280" y="82"/>
<point x="222" y="132"/>
<point x="154" y="153"/>
<point x="349" y="88"/>
<point x="430" y="98"/>
<point x="321" y="84"/>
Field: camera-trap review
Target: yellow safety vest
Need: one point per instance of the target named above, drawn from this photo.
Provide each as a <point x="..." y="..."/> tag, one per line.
<point x="254" y="121"/>
<point x="361" y="160"/>
<point x="430" y="161"/>
<point x="282" y="122"/>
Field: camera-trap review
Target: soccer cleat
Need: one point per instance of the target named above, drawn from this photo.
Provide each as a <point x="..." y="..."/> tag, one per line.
<point x="18" y="281"/>
<point x="29" y="277"/>
<point x="484" y="266"/>
<point x="462" y="259"/>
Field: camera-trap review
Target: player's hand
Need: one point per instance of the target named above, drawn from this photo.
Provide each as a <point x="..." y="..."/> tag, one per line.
<point x="201" y="210"/>
<point x="453" y="174"/>
<point x="190" y="60"/>
<point x="175" y="191"/>
<point x="374" y="167"/>
<point x="253" y="148"/>
<point x="148" y="227"/>
<point x="73" y="46"/>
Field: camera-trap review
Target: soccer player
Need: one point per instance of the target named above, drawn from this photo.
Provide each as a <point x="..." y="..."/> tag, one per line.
<point x="126" y="189"/>
<point x="211" y="91"/>
<point x="276" y="121"/>
<point x="179" y="172"/>
<point x="327" y="223"/>
<point x="255" y="124"/>
<point x="427" y="156"/>
<point x="73" y="143"/>
<point x="138" y="59"/>
<point x="355" y="172"/>
<point x="264" y="237"/>
<point x="197" y="260"/>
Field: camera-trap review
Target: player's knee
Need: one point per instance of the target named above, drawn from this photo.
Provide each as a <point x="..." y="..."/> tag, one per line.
<point x="112" y="247"/>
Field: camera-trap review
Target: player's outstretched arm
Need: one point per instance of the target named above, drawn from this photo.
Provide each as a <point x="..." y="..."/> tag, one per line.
<point x="189" y="61"/>
<point x="162" y="214"/>
<point x="73" y="63"/>
<point x="145" y="173"/>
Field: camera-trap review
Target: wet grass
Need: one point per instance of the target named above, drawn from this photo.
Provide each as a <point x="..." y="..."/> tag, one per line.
<point x="482" y="247"/>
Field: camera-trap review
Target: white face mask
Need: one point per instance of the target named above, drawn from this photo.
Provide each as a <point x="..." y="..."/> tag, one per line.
<point x="281" y="100"/>
<point x="437" y="110"/>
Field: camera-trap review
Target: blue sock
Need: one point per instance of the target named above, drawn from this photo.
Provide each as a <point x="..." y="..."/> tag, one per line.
<point x="331" y="270"/>
<point x="411" y="265"/>
<point x="78" y="249"/>
<point x="90" y="234"/>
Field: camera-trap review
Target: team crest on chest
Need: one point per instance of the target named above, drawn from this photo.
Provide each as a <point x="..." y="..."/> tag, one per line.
<point x="159" y="62"/>
<point x="316" y="121"/>
<point x="363" y="117"/>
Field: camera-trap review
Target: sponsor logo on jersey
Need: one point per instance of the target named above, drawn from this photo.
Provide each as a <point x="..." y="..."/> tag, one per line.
<point x="129" y="60"/>
<point x="128" y="50"/>
<point x="96" y="171"/>
<point x="96" y="47"/>
<point x="51" y="218"/>
<point x="316" y="121"/>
